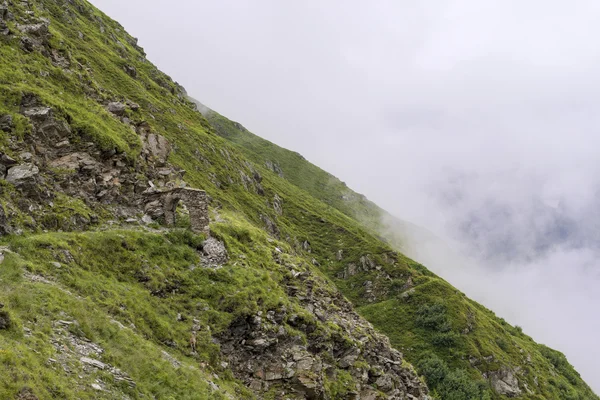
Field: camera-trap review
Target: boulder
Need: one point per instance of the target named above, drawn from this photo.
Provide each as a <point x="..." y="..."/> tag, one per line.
<point x="39" y="30"/>
<point x="4" y="320"/>
<point x="130" y="70"/>
<point x="38" y="113"/>
<point x="22" y="173"/>
<point x="214" y="252"/>
<point x="116" y="108"/>
<point x="76" y="162"/>
<point x="6" y="123"/>
<point x="504" y="382"/>
<point x="7" y="160"/>
<point x="157" y="147"/>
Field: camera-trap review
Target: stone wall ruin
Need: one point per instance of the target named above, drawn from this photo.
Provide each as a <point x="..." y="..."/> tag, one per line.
<point x="164" y="203"/>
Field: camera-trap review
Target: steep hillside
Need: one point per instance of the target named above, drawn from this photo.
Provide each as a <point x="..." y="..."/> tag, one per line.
<point x="103" y="298"/>
<point x="431" y="322"/>
<point x="318" y="183"/>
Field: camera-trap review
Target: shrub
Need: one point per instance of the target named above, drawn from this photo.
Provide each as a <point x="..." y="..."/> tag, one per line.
<point x="445" y="339"/>
<point x="450" y="384"/>
<point x="433" y="317"/>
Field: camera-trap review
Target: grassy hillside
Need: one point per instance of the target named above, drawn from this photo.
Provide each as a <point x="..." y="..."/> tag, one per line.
<point x="296" y="169"/>
<point x="453" y="340"/>
<point x="83" y="277"/>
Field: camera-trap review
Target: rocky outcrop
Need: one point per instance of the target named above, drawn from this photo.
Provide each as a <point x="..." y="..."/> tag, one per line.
<point x="53" y="160"/>
<point x="504" y="382"/>
<point x="6" y="123"/>
<point x="214" y="253"/>
<point x="270" y="225"/>
<point x="116" y="108"/>
<point x="278" y="205"/>
<point x="72" y="350"/>
<point x="274" y="167"/>
<point x="4" y="318"/>
<point x="155" y="147"/>
<point x="265" y="353"/>
<point x="21" y="174"/>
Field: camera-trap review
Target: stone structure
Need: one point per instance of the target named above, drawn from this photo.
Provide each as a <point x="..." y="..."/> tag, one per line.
<point x="164" y="203"/>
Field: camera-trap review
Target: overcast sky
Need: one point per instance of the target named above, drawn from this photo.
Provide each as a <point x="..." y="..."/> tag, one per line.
<point x="475" y="119"/>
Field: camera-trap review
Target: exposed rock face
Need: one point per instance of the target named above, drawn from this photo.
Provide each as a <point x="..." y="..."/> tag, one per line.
<point x="26" y="394"/>
<point x="277" y="204"/>
<point x="265" y="355"/>
<point x="117" y="108"/>
<point x="214" y="253"/>
<point x="4" y="320"/>
<point x="21" y="174"/>
<point x="156" y="147"/>
<point x="70" y="349"/>
<point x="6" y="123"/>
<point x="131" y="71"/>
<point x="77" y="162"/>
<point x="270" y="225"/>
<point x="274" y="167"/>
<point x="350" y="270"/>
<point x="35" y="35"/>
<point x="504" y="382"/>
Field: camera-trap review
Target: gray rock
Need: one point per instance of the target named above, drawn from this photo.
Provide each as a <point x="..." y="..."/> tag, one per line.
<point x="385" y="383"/>
<point x="277" y="204"/>
<point x="7" y="160"/>
<point x="504" y="382"/>
<point x="26" y="156"/>
<point x="274" y="167"/>
<point x="77" y="161"/>
<point x="5" y="321"/>
<point x="157" y="147"/>
<point x="6" y="123"/>
<point x="214" y="252"/>
<point x="116" y="108"/>
<point x="350" y="270"/>
<point x="366" y="263"/>
<point x="270" y="226"/>
<point x="38" y="113"/>
<point x="306" y="246"/>
<point x="22" y="173"/>
<point x="348" y="361"/>
<point x="38" y="30"/>
<point x="62" y="144"/>
<point x="168" y="357"/>
<point x="93" y="363"/>
<point x="130" y="70"/>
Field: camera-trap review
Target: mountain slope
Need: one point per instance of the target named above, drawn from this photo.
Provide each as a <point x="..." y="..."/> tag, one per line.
<point x="100" y="297"/>
<point x="425" y="340"/>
